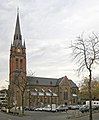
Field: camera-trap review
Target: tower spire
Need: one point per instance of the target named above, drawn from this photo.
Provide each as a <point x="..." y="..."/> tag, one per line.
<point x="17" y="35"/>
<point x="17" y="10"/>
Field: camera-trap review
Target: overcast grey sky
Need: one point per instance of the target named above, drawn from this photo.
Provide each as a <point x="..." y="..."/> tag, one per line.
<point x="48" y="27"/>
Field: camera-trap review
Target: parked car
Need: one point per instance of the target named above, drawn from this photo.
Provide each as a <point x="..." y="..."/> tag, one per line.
<point x="62" y="108"/>
<point x="95" y="107"/>
<point x="46" y="108"/>
<point x="84" y="108"/>
<point x="26" y="108"/>
<point x="39" y="109"/>
<point x="31" y="108"/>
<point x="75" y="107"/>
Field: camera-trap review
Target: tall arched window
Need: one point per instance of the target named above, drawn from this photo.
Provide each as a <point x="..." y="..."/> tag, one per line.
<point x="16" y="63"/>
<point x="21" y="63"/>
<point x="65" y="95"/>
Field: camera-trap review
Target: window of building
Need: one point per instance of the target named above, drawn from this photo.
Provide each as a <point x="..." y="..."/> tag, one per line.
<point x="21" y="63"/>
<point x="20" y="37"/>
<point x="17" y="36"/>
<point x="73" y="90"/>
<point x="16" y="63"/>
<point x="48" y="100"/>
<point x="51" y="82"/>
<point x="65" y="95"/>
<point x="74" y="100"/>
<point x="37" y="82"/>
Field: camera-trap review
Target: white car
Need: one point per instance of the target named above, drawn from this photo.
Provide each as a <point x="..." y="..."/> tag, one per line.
<point x="46" y="108"/>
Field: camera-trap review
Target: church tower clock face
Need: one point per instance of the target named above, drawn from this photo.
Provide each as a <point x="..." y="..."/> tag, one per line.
<point x="18" y="50"/>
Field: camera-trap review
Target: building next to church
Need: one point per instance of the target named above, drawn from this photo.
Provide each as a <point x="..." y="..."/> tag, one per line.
<point x="37" y="91"/>
<point x="3" y="97"/>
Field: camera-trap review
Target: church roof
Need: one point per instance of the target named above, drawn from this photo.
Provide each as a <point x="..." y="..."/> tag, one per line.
<point x="72" y="84"/>
<point x="42" y="81"/>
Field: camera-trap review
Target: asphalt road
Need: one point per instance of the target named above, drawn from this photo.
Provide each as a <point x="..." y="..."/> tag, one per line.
<point x="95" y="117"/>
<point x="35" y="115"/>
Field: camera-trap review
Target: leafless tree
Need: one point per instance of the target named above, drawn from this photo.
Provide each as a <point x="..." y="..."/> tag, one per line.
<point x="21" y="83"/>
<point x="86" y="54"/>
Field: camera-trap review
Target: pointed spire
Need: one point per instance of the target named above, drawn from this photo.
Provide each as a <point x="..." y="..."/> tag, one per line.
<point x="17" y="29"/>
<point x="17" y="35"/>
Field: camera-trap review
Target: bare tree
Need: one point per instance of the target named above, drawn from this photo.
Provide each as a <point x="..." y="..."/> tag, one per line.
<point x="86" y="54"/>
<point x="21" y="83"/>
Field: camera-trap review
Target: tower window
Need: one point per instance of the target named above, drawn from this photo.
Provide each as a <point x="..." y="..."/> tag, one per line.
<point x="16" y="63"/>
<point x="17" y="36"/>
<point x="21" y="63"/>
<point x="20" y="37"/>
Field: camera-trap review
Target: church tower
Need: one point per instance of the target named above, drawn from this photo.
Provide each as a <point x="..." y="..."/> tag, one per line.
<point x="17" y="66"/>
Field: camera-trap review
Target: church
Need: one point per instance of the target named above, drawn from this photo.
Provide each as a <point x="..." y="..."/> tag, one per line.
<point x="35" y="91"/>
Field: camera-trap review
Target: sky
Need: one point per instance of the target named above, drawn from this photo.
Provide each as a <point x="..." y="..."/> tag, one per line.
<point x="48" y="27"/>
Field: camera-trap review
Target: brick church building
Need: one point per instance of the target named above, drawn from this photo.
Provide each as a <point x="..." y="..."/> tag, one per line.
<point x="36" y="91"/>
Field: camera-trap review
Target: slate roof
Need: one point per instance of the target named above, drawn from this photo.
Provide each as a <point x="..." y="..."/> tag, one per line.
<point x="72" y="84"/>
<point x="42" y="81"/>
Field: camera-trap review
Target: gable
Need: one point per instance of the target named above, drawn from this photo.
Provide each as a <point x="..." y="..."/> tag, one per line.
<point x="64" y="82"/>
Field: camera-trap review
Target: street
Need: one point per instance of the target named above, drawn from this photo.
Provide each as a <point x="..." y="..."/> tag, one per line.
<point x="95" y="117"/>
<point x="36" y="115"/>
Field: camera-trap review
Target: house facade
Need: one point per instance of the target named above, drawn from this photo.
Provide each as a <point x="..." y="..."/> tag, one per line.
<point x="43" y="91"/>
<point x="3" y="97"/>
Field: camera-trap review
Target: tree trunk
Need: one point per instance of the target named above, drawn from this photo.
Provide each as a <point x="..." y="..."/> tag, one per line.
<point x="90" y="97"/>
<point x="22" y="103"/>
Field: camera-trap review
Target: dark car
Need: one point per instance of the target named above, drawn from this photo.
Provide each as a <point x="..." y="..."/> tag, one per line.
<point x="84" y="109"/>
<point x="31" y="108"/>
<point x="26" y="108"/>
<point x="62" y="108"/>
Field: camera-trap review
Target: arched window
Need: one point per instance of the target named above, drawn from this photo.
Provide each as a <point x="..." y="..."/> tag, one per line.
<point x="21" y="63"/>
<point x="17" y="36"/>
<point x="16" y="63"/>
<point x="20" y="37"/>
<point x="65" y="95"/>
